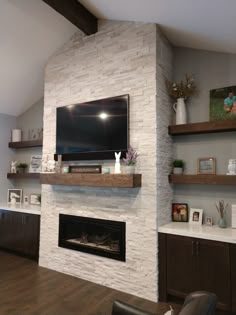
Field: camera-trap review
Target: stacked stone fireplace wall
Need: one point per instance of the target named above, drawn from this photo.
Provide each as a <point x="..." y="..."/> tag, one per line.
<point x="120" y="59"/>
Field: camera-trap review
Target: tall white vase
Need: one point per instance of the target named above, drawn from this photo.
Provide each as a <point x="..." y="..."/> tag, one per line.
<point x="181" y="113"/>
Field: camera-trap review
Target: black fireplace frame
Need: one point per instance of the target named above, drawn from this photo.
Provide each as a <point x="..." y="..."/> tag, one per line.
<point x="121" y="255"/>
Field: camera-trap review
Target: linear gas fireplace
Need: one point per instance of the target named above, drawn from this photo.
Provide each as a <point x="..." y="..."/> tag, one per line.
<point x="94" y="236"/>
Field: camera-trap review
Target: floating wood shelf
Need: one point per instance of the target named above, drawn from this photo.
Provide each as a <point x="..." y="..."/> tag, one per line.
<point x="203" y="179"/>
<point x="95" y="180"/>
<point x="203" y="127"/>
<point x="23" y="175"/>
<point x="26" y="144"/>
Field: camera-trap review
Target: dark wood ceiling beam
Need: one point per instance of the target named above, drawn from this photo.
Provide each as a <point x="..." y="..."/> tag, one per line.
<point x="76" y="13"/>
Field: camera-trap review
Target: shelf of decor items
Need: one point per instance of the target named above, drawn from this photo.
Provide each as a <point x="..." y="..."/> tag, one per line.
<point x="23" y="175"/>
<point x="26" y="144"/>
<point x="93" y="180"/>
<point x="203" y="179"/>
<point x="203" y="127"/>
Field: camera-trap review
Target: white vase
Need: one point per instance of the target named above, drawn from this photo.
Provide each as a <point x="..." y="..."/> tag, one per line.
<point x="232" y="167"/>
<point x="178" y="170"/>
<point x="130" y="169"/>
<point x="181" y="112"/>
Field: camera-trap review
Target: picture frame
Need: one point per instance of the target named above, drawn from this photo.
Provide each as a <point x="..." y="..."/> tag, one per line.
<point x="206" y="165"/>
<point x="34" y="199"/>
<point x="14" y="196"/>
<point x="195" y="216"/>
<point x="209" y="221"/>
<point x="26" y="200"/>
<point x="35" y="164"/>
<point x="223" y="103"/>
<point x="179" y="212"/>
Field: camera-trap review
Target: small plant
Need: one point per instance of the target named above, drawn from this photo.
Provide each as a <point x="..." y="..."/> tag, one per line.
<point x="221" y="208"/>
<point x="131" y="157"/>
<point x="178" y="163"/>
<point x="22" y="165"/>
<point x="182" y="89"/>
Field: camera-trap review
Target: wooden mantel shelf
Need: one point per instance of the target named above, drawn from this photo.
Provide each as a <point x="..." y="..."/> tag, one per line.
<point x="93" y="180"/>
<point x="203" y="179"/>
<point x="203" y="127"/>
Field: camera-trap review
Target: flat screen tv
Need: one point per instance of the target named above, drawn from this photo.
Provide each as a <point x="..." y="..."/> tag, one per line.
<point x="93" y="130"/>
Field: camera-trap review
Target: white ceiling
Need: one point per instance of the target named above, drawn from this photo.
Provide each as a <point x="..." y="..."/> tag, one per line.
<point x="201" y="24"/>
<point x="30" y="32"/>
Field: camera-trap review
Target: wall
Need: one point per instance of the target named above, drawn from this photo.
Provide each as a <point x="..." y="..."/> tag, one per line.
<point x="211" y="70"/>
<point x="30" y="119"/>
<point x="121" y="58"/>
<point x="7" y="123"/>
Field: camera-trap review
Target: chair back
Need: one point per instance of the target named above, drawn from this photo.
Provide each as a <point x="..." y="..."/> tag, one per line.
<point x="199" y="303"/>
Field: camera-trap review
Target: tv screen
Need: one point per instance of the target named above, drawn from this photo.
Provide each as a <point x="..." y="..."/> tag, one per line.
<point x="97" y="126"/>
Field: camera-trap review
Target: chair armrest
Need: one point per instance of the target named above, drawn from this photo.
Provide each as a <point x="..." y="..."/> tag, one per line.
<point x="121" y="308"/>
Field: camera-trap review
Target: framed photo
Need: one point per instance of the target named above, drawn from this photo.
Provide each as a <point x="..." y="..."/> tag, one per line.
<point x="26" y="200"/>
<point x="209" y="221"/>
<point x="35" y="164"/>
<point x="35" y="199"/>
<point x="14" y="196"/>
<point x="195" y="216"/>
<point x="179" y="212"/>
<point x="206" y="165"/>
<point x="223" y="103"/>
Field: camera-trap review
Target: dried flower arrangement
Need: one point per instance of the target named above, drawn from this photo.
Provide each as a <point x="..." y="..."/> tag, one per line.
<point x="183" y="89"/>
<point x="221" y="208"/>
<point x="131" y="157"/>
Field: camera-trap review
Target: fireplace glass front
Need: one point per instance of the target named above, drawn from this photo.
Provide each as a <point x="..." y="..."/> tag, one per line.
<point x="94" y="236"/>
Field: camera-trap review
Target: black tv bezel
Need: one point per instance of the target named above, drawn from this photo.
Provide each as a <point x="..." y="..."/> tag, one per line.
<point x="97" y="155"/>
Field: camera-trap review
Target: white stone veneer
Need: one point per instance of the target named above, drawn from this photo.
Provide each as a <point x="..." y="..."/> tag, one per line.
<point x="120" y="59"/>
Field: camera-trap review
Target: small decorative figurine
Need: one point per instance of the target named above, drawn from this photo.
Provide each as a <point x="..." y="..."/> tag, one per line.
<point x="13" y="166"/>
<point x="51" y="166"/>
<point x="117" y="164"/>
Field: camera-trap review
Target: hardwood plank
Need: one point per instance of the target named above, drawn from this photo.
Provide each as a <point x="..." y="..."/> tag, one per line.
<point x="203" y="179"/>
<point x="76" y="13"/>
<point x="95" y="180"/>
<point x="27" y="289"/>
<point x="23" y="175"/>
<point x="25" y="144"/>
<point x="203" y="127"/>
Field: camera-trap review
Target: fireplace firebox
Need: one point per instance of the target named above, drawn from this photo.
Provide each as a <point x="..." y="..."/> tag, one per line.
<point x="94" y="236"/>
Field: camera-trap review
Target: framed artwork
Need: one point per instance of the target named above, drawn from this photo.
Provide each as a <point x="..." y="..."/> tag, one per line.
<point x="223" y="103"/>
<point x="209" y="221"/>
<point x="26" y="200"/>
<point x="179" y="212"/>
<point x="35" y="199"/>
<point x="206" y="165"/>
<point x="195" y="216"/>
<point x="35" y="164"/>
<point x="14" y="196"/>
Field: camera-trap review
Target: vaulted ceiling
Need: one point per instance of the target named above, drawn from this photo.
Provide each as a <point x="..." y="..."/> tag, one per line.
<point x="31" y="32"/>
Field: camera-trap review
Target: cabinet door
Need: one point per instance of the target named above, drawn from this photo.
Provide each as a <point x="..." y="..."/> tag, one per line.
<point x="31" y="225"/>
<point x="5" y="234"/>
<point x="180" y="265"/>
<point x="233" y="275"/>
<point x="213" y="260"/>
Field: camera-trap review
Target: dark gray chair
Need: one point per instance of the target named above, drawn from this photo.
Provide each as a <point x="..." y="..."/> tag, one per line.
<point x="196" y="303"/>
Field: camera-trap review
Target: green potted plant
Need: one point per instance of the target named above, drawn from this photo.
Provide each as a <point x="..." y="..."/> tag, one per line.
<point x="21" y="167"/>
<point x="178" y="166"/>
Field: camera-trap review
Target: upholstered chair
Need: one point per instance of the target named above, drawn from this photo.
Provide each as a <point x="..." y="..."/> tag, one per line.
<point x="196" y="303"/>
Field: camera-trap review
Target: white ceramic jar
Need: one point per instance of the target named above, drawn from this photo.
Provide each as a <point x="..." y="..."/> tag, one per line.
<point x="232" y="167"/>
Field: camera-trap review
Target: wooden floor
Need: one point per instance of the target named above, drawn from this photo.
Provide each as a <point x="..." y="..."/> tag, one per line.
<point x="26" y="288"/>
